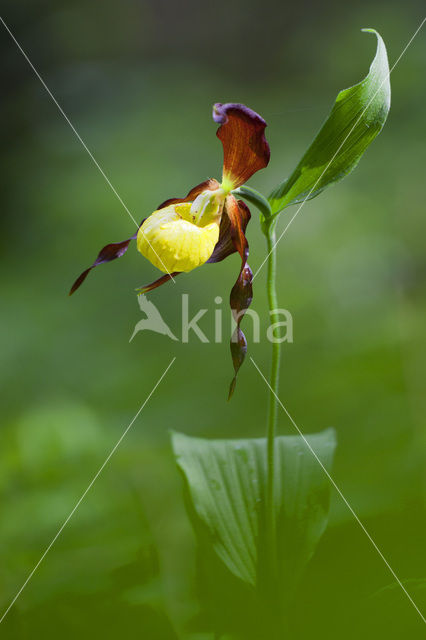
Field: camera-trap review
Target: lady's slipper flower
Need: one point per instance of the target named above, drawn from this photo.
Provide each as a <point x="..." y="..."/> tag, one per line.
<point x="208" y="224"/>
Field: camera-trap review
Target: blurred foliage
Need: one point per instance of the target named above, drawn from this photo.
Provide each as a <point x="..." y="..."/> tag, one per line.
<point x="106" y="566"/>
<point x="138" y="80"/>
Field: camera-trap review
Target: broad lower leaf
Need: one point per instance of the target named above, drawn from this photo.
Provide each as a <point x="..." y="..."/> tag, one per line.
<point x="358" y="115"/>
<point x="226" y="481"/>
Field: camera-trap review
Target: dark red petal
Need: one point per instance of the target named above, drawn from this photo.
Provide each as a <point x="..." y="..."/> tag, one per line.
<point x="106" y="254"/>
<point x="245" y="149"/>
<point x="242" y="292"/>
<point x="240" y="299"/>
<point x="208" y="185"/>
<point x="157" y="283"/>
<point x="225" y="246"/>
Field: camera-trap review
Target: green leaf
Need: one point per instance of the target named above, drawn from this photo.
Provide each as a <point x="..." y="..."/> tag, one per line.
<point x="226" y="481"/>
<point x="357" y="117"/>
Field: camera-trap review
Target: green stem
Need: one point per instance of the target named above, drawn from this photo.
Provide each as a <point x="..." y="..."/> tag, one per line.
<point x="268" y="224"/>
<point x="269" y="231"/>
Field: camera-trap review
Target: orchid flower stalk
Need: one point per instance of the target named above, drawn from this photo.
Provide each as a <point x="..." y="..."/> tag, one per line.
<point x="234" y="496"/>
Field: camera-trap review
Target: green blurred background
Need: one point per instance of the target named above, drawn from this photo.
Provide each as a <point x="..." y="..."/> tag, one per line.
<point x="138" y="79"/>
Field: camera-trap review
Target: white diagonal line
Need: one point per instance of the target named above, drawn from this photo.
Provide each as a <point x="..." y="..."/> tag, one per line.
<point x="96" y="163"/>
<point x="96" y="476"/>
<point x="335" y="154"/>
<point x="341" y="494"/>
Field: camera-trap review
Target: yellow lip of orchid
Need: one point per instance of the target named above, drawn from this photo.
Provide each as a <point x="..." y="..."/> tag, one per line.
<point x="181" y="237"/>
<point x="172" y="242"/>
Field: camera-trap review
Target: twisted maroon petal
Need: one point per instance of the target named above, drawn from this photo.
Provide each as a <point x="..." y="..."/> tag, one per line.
<point x="106" y="254"/>
<point x="225" y="245"/>
<point x="157" y="283"/>
<point x="242" y="133"/>
<point x="242" y="292"/>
